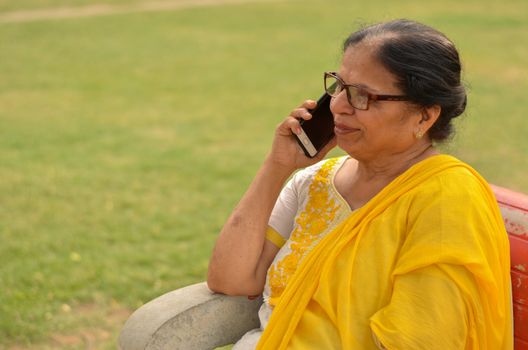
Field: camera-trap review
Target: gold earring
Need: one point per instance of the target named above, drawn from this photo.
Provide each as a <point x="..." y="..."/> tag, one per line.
<point x="419" y="134"/>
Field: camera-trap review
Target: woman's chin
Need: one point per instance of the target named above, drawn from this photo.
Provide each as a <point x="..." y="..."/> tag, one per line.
<point x="349" y="147"/>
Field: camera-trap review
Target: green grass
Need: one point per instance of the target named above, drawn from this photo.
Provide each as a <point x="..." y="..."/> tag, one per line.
<point x="125" y="140"/>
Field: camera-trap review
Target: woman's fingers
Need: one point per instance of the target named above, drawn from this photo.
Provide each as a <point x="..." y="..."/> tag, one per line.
<point x="303" y="111"/>
<point x="309" y="104"/>
<point x="289" y="125"/>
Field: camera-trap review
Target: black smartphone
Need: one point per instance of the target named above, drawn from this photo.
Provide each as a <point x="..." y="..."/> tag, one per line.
<point x="318" y="131"/>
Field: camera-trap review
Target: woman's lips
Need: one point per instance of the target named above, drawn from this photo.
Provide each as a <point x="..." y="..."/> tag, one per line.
<point x="341" y="129"/>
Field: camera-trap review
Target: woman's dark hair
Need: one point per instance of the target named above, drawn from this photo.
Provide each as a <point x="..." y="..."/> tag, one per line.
<point x="426" y="65"/>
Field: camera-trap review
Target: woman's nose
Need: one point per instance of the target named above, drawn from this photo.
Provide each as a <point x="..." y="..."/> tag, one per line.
<point x="340" y="105"/>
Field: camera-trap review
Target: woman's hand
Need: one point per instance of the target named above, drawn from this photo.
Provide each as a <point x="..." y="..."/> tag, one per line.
<point x="285" y="150"/>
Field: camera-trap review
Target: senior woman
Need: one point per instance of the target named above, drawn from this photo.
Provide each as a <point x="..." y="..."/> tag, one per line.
<point x="393" y="246"/>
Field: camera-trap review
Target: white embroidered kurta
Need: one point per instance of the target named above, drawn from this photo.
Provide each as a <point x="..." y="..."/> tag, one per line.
<point x="308" y="207"/>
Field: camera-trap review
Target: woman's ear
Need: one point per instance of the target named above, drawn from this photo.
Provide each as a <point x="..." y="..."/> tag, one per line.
<point x="429" y="117"/>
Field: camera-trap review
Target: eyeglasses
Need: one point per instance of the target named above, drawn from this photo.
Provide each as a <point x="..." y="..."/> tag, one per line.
<point x="358" y="97"/>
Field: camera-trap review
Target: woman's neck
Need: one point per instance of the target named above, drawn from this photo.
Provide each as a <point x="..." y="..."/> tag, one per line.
<point x="385" y="169"/>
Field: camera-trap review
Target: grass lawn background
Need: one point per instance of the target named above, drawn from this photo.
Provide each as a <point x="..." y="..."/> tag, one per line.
<point x="125" y="140"/>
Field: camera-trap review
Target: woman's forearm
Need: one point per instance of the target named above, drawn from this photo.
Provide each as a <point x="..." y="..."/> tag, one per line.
<point x="241" y="255"/>
<point x="236" y="263"/>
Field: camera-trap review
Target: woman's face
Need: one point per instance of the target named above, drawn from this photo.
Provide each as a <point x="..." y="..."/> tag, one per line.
<point x="387" y="128"/>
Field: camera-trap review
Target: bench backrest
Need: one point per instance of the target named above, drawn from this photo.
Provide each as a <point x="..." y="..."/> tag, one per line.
<point x="514" y="209"/>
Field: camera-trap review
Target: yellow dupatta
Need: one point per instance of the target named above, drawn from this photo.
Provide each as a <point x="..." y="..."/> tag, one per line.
<point x="424" y="264"/>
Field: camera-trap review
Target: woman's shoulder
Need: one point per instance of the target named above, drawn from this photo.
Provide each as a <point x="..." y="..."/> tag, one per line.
<point x="455" y="184"/>
<point x="460" y="179"/>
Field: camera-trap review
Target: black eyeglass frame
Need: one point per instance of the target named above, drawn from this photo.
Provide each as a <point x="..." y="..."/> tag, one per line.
<point x="370" y="97"/>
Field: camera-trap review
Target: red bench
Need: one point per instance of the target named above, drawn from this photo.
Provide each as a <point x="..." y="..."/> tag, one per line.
<point x="514" y="209"/>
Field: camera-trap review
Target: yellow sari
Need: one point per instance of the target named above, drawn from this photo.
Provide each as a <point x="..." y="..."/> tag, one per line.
<point x="423" y="265"/>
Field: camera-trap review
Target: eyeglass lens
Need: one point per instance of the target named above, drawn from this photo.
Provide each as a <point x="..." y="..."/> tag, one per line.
<point x="356" y="96"/>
